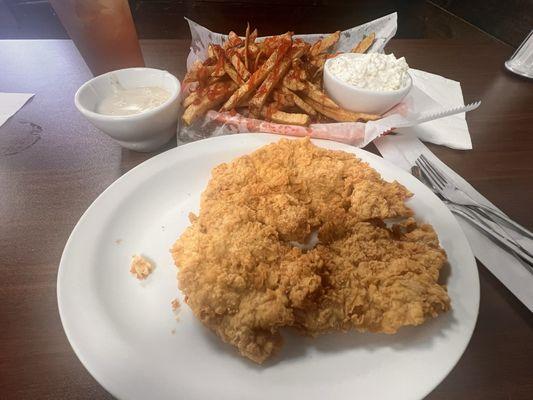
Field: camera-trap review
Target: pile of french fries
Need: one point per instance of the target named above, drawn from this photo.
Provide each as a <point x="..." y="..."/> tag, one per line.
<point x="278" y="79"/>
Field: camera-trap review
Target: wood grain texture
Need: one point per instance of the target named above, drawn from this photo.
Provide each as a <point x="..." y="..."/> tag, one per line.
<point x="509" y="21"/>
<point x="47" y="183"/>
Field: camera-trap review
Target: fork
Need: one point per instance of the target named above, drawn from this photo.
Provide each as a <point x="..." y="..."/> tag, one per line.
<point x="479" y="221"/>
<point x="507" y="243"/>
<point x="449" y="190"/>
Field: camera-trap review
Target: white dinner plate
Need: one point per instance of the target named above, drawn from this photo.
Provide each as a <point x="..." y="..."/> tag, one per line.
<point x="125" y="333"/>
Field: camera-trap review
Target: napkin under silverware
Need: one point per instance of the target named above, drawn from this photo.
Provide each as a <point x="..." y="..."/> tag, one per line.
<point x="402" y="150"/>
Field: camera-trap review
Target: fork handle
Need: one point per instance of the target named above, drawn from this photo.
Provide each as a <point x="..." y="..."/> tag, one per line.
<point x="517" y="227"/>
<point x="494" y="235"/>
<point x="487" y="219"/>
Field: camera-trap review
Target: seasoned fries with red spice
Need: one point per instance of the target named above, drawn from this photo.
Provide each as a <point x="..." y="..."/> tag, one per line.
<point x="278" y="79"/>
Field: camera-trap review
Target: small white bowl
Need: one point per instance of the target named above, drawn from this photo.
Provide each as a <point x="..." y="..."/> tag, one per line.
<point x="362" y="100"/>
<point x="145" y="131"/>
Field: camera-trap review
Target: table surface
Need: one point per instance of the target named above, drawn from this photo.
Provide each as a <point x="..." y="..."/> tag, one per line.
<point x="53" y="164"/>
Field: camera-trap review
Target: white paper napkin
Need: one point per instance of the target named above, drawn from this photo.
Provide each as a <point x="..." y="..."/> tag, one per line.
<point x="10" y="103"/>
<point x="450" y="131"/>
<point x="402" y="150"/>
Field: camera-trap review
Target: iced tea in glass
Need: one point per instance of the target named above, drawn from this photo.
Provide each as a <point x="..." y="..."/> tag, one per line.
<point x="103" y="32"/>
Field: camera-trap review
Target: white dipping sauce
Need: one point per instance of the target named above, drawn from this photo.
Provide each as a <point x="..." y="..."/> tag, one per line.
<point x="382" y="72"/>
<point x="132" y="101"/>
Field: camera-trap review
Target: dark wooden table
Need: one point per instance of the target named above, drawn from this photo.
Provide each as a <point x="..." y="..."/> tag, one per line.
<point x="53" y="164"/>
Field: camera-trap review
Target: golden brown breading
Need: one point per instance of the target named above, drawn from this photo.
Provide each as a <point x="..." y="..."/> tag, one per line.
<point x="377" y="279"/>
<point x="244" y="278"/>
<point x="240" y="280"/>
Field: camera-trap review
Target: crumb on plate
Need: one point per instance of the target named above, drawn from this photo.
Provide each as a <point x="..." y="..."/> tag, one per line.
<point x="141" y="267"/>
<point x="175" y="305"/>
<point x="176" y="308"/>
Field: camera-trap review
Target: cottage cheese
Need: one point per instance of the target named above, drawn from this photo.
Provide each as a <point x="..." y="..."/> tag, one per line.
<point x="382" y="72"/>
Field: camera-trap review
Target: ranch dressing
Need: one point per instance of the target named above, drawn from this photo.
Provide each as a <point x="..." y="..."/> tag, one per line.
<point x="131" y="101"/>
<point x="381" y="72"/>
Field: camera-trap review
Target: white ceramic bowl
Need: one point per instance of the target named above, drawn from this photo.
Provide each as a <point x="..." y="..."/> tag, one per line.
<point x="361" y="100"/>
<point x="145" y="131"/>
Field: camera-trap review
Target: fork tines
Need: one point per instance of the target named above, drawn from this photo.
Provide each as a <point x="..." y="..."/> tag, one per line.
<point x="436" y="176"/>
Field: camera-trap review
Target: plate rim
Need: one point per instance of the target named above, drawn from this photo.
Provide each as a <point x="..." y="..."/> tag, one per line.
<point x="180" y="148"/>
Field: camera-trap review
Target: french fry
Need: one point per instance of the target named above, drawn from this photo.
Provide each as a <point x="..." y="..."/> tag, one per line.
<point x="324" y="44"/>
<point x="208" y="100"/>
<point x="246" y="45"/>
<point x="233" y="41"/>
<point x="281" y="117"/>
<point x="364" y="44"/>
<point x="211" y="51"/>
<point x="219" y="70"/>
<point x="284" y="98"/>
<point x="317" y="73"/>
<point x="293" y="84"/>
<point x="256" y="62"/>
<point x="213" y="79"/>
<point x="270" y="44"/>
<point x="202" y="74"/>
<point x="191" y="98"/>
<point x="253" y="50"/>
<point x="319" y="60"/>
<point x="259" y="75"/>
<point x="219" y="66"/>
<point x="299" y="102"/>
<point x="318" y="81"/>
<point x="212" y="87"/>
<point x="192" y="74"/>
<point x="253" y="36"/>
<point x="262" y="93"/>
<point x="228" y="68"/>
<point x="299" y="70"/>
<point x="294" y="79"/>
<point x="244" y="103"/>
<point x="269" y="109"/>
<point x="314" y="93"/>
<point x="232" y="73"/>
<point x="340" y="114"/>
<point x="210" y="61"/>
<point x="241" y="69"/>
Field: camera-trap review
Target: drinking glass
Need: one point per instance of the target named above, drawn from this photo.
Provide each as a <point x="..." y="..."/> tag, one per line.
<point x="103" y="31"/>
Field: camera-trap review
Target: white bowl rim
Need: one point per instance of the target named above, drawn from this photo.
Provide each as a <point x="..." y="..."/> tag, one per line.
<point x="407" y="87"/>
<point x="142" y="114"/>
